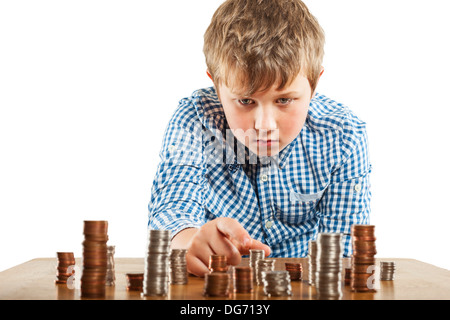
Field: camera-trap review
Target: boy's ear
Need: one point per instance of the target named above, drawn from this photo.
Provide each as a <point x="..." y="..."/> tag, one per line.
<point x="321" y="72"/>
<point x="209" y="74"/>
<point x="320" y="75"/>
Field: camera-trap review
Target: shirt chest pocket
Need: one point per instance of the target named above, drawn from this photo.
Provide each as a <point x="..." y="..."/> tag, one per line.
<point x="297" y="208"/>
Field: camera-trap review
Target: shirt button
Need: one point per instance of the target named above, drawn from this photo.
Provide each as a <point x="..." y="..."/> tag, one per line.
<point x="264" y="177"/>
<point x="358" y="187"/>
<point x="269" y="224"/>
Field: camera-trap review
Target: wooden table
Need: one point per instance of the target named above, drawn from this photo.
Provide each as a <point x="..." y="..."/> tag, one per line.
<point x="34" y="280"/>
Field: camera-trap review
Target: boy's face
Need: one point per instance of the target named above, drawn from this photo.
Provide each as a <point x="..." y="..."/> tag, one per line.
<point x="267" y="121"/>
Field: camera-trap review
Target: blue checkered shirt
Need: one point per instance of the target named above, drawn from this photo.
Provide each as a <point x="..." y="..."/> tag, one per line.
<point x="318" y="183"/>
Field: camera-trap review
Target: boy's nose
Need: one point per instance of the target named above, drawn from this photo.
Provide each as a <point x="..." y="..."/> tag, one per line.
<point x="265" y="120"/>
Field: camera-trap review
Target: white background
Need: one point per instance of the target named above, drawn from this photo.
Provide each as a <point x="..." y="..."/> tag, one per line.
<point x="87" y="88"/>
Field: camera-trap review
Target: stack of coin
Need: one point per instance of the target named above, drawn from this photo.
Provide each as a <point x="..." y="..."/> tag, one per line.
<point x="156" y="276"/>
<point x="363" y="258"/>
<point x="255" y="255"/>
<point x="93" y="280"/>
<point x="329" y="266"/>
<point x="347" y="266"/>
<point x="276" y="283"/>
<point x="348" y="276"/>
<point x="295" y="270"/>
<point x="387" y="270"/>
<point x="262" y="266"/>
<point x="312" y="255"/>
<point x="178" y="267"/>
<point x="135" y="281"/>
<point x="218" y="263"/>
<point x="110" y="267"/>
<point x="64" y="260"/>
<point x="243" y="279"/>
<point x="217" y="284"/>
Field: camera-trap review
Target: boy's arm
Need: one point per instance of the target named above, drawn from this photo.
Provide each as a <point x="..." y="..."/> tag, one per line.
<point x="346" y="201"/>
<point x="179" y="184"/>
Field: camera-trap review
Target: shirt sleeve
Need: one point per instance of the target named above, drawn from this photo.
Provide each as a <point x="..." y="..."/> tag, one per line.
<point x="179" y="184"/>
<point x="346" y="200"/>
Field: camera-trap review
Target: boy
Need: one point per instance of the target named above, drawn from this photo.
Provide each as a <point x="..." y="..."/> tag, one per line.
<point x="260" y="160"/>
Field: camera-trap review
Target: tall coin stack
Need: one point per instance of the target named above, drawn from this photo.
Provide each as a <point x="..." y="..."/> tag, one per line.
<point x="387" y="270"/>
<point x="276" y="283"/>
<point x="329" y="266"/>
<point x="363" y="258"/>
<point x="217" y="284"/>
<point x="93" y="279"/>
<point x="218" y="263"/>
<point x="110" y="268"/>
<point x="156" y="276"/>
<point x="65" y="259"/>
<point x="312" y="255"/>
<point x="243" y="279"/>
<point x="178" y="267"/>
<point x="263" y="265"/>
<point x="255" y="255"/>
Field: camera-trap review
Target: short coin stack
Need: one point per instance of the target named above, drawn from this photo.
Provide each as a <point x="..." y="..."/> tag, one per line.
<point x="312" y="255"/>
<point x="387" y="270"/>
<point x="329" y="266"/>
<point x="217" y="284"/>
<point x="93" y="279"/>
<point x="295" y="270"/>
<point x="135" y="281"/>
<point x="255" y="255"/>
<point x="276" y="283"/>
<point x="65" y="259"/>
<point x="156" y="276"/>
<point x="262" y="266"/>
<point x="110" y="267"/>
<point x="347" y="276"/>
<point x="363" y="258"/>
<point x="243" y="279"/>
<point x="218" y="263"/>
<point x="178" y="267"/>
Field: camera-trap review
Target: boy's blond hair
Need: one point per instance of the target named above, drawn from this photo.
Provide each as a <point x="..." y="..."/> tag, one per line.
<point x="252" y="45"/>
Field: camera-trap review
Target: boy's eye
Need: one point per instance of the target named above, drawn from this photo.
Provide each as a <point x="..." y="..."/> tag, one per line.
<point x="284" y="100"/>
<point x="245" y="102"/>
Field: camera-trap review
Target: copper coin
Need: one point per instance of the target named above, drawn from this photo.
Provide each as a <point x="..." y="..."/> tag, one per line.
<point x="218" y="263"/>
<point x="95" y="226"/>
<point x="65" y="255"/>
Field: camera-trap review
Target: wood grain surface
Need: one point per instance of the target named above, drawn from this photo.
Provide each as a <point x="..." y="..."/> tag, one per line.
<point x="34" y="280"/>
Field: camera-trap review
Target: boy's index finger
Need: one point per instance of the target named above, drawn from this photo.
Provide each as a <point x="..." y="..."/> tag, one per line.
<point x="233" y="230"/>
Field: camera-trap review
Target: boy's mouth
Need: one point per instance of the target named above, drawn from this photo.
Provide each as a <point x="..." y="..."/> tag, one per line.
<point x="262" y="143"/>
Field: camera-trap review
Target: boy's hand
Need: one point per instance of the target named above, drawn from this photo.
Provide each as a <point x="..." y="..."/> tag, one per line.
<point x="223" y="236"/>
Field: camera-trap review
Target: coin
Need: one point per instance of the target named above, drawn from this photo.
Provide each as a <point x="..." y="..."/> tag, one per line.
<point x="156" y="264"/>
<point x="363" y="258"/>
<point x="387" y="270"/>
<point x="328" y="266"/>
<point x="295" y="270"/>
<point x="135" y="281"/>
<point x="312" y="255"/>
<point x="276" y="283"/>
<point x="216" y="284"/>
<point x="243" y="279"/>
<point x="255" y="255"/>
<point x="178" y="266"/>
<point x="261" y="266"/>
<point x="93" y="279"/>
<point x="218" y="263"/>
